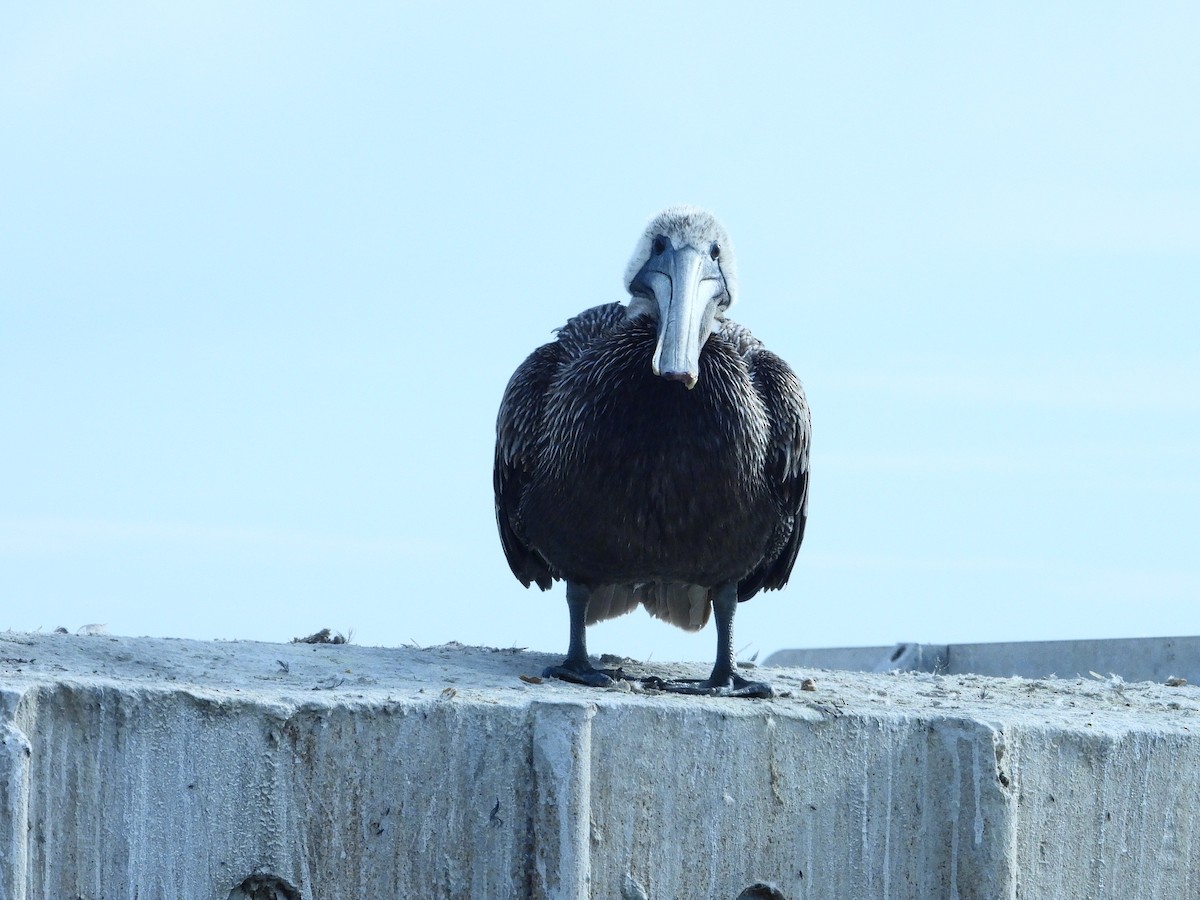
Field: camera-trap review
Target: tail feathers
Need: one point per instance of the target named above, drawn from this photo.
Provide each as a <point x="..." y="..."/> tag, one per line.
<point x="686" y="606"/>
<point x="609" y="601"/>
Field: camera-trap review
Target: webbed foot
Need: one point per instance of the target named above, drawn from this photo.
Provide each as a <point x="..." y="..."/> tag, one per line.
<point x="585" y="674"/>
<point x="732" y="685"/>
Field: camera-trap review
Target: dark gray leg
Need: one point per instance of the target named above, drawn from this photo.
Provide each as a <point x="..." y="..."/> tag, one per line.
<point x="724" y="680"/>
<point x="577" y="667"/>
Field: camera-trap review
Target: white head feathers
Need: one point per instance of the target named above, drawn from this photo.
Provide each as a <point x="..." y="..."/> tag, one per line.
<point x="686" y="225"/>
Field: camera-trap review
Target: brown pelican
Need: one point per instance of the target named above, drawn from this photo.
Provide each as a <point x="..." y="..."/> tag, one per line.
<point x="656" y="453"/>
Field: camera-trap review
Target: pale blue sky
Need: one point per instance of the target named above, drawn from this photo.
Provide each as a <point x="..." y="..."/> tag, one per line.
<point x="266" y="268"/>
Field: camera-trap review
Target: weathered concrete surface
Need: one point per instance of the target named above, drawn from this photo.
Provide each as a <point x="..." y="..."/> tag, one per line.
<point x="148" y="768"/>
<point x="1134" y="659"/>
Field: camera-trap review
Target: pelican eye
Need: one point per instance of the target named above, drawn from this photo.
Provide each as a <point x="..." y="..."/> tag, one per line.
<point x="715" y="250"/>
<point x="660" y="245"/>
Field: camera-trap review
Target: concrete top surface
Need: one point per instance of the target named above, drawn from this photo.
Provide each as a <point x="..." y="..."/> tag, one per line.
<point x="196" y="770"/>
<point x="322" y="674"/>
<point x="1134" y="659"/>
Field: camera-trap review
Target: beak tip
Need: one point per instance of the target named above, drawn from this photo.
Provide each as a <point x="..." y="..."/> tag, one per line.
<point x="688" y="378"/>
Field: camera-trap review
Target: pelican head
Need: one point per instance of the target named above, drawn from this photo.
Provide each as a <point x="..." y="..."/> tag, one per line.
<point x="682" y="275"/>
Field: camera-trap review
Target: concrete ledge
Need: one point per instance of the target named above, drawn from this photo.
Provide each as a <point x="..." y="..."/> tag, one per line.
<point x="1134" y="659"/>
<point x="148" y="768"/>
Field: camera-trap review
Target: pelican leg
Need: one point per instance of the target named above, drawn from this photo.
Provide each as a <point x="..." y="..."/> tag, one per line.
<point x="577" y="668"/>
<point x="724" y="680"/>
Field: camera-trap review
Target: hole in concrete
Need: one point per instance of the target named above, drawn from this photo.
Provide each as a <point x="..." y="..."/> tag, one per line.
<point x="761" y="891"/>
<point x="263" y="886"/>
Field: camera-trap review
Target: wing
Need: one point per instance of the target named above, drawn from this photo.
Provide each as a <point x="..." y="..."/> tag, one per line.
<point x="787" y="466"/>
<point x="521" y="432"/>
<point x="518" y="443"/>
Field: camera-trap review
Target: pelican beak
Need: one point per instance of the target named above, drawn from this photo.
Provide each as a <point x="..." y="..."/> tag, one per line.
<point x="688" y="290"/>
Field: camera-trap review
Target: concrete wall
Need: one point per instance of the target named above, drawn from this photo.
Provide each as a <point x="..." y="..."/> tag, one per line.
<point x="138" y="768"/>
<point x="1134" y="659"/>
